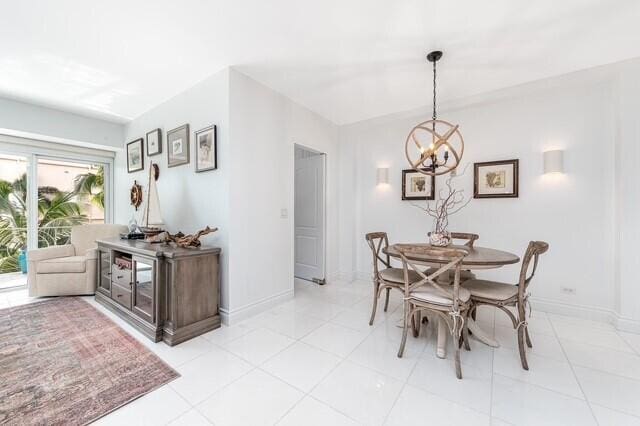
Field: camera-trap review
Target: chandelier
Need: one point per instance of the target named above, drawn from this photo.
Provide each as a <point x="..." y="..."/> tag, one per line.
<point x="436" y="145"/>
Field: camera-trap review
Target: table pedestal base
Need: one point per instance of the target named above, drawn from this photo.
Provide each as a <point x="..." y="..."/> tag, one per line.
<point x="478" y="332"/>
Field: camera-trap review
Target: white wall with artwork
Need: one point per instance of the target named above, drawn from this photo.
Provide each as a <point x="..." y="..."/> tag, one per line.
<point x="188" y="200"/>
<point x="574" y="113"/>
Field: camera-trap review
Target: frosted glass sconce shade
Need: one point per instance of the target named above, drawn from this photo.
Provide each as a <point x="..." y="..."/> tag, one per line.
<point x="553" y="161"/>
<point x="383" y="175"/>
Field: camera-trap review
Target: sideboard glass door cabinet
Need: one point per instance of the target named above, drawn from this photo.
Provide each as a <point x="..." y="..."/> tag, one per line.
<point x="165" y="292"/>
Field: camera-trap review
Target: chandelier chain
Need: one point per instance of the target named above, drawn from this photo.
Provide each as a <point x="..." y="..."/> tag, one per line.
<point x="434" y="91"/>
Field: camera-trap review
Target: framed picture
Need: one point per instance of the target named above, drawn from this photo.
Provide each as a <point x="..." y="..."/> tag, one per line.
<point x="495" y="179"/>
<point x="417" y="186"/>
<point x="206" y="149"/>
<point x="135" y="156"/>
<point x="178" y="146"/>
<point x="154" y="142"/>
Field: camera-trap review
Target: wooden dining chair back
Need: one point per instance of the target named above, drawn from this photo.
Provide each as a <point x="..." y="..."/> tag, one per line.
<point x="435" y="292"/>
<point x="505" y="295"/>
<point x="534" y="250"/>
<point x="377" y="241"/>
<point x="385" y="277"/>
<point x="469" y="240"/>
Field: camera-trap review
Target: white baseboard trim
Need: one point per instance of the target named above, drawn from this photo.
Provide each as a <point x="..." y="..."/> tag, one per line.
<point x="572" y="310"/>
<point x="627" y="324"/>
<point x="592" y="313"/>
<point x="254" y="308"/>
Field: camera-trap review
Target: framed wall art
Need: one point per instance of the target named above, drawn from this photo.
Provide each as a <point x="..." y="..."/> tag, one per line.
<point x="417" y="186"/>
<point x="178" y="146"/>
<point x="154" y="142"/>
<point x="206" y="149"/>
<point x="135" y="156"/>
<point x="495" y="179"/>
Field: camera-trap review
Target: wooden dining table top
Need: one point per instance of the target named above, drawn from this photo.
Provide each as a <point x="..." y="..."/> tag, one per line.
<point x="477" y="257"/>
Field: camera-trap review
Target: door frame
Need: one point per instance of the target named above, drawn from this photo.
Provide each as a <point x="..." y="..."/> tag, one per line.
<point x="324" y="209"/>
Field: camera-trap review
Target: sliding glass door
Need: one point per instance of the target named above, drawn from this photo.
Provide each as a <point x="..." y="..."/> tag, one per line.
<point x="41" y="199"/>
<point x="14" y="198"/>
<point x="69" y="193"/>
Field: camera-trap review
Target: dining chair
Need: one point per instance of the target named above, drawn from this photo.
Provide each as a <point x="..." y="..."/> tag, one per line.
<point x="450" y="303"/>
<point x="504" y="295"/>
<point x="385" y="277"/>
<point x="469" y="240"/>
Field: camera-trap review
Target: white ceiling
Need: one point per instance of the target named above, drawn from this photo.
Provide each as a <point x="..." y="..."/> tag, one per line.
<point x="348" y="60"/>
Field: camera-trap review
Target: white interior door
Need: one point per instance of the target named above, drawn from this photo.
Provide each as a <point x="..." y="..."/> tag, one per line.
<point x="309" y="215"/>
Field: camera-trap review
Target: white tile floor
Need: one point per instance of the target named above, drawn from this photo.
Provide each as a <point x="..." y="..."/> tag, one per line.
<point x="315" y="361"/>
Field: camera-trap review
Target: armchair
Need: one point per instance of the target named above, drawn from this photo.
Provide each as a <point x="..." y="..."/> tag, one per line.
<point x="69" y="269"/>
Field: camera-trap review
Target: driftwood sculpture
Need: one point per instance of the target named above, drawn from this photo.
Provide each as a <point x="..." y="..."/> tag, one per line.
<point x="181" y="240"/>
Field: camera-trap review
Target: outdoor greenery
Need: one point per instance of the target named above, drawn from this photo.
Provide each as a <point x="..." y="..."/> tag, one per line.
<point x="58" y="211"/>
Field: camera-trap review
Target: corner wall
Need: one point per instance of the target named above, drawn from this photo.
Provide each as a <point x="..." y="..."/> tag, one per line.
<point x="265" y="125"/>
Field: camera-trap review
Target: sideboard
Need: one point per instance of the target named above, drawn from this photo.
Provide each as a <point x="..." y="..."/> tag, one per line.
<point x="167" y="293"/>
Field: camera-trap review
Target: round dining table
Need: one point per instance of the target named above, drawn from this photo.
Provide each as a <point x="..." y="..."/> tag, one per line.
<point x="477" y="258"/>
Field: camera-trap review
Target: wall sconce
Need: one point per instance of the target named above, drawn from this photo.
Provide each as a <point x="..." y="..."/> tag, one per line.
<point x="553" y="161"/>
<point x="383" y="175"/>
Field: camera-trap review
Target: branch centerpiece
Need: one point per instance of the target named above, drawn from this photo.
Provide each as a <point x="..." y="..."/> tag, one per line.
<point x="449" y="202"/>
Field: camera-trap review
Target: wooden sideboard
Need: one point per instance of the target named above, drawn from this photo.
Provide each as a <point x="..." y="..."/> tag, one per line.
<point x="167" y="293"/>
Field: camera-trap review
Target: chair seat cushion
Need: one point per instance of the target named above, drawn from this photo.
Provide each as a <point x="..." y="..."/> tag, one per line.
<point x="61" y="265"/>
<point x="430" y="294"/>
<point x="464" y="275"/>
<point x="396" y="275"/>
<point x="491" y="289"/>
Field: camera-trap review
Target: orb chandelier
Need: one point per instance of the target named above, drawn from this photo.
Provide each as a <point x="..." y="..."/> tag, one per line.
<point x="434" y="147"/>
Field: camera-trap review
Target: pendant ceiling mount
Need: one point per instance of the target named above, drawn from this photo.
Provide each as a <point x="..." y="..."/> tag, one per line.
<point x="429" y="139"/>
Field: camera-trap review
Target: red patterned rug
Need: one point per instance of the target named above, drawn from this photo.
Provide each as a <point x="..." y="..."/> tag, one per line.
<point x="64" y="362"/>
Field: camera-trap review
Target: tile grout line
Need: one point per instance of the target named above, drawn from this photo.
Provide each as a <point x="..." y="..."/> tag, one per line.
<point x="575" y="376"/>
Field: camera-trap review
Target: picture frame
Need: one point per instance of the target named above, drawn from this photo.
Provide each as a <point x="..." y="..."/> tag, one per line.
<point x="418" y="186"/>
<point x="496" y="179"/>
<point x="206" y="148"/>
<point x="154" y="142"/>
<point x="135" y="156"/>
<point x="178" y="146"/>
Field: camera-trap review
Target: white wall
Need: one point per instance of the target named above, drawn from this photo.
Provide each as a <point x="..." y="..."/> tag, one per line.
<point x="572" y="212"/>
<point x="257" y="129"/>
<point x="32" y="120"/>
<point x="264" y="128"/>
<point x="189" y="201"/>
<point x="627" y="190"/>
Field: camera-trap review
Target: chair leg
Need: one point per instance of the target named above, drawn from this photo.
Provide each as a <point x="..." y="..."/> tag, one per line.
<point x="405" y="328"/>
<point x="415" y="324"/>
<point x="523" y="354"/>
<point x="465" y="338"/>
<point x="522" y="332"/>
<point x="458" y="365"/>
<point x="526" y="334"/>
<point x="376" y="289"/>
<point x="386" y="300"/>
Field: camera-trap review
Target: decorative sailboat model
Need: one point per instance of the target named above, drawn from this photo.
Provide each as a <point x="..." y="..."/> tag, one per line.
<point x="151" y="223"/>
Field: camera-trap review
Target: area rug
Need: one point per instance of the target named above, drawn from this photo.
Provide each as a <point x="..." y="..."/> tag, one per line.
<point x="64" y="362"/>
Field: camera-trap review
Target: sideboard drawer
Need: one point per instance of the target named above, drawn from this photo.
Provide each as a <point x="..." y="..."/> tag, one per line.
<point x="121" y="295"/>
<point x="121" y="276"/>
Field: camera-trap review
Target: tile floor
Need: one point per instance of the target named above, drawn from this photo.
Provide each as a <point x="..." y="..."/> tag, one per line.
<point x="314" y="360"/>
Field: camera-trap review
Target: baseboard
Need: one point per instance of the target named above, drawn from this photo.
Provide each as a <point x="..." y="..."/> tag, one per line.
<point x="235" y="315"/>
<point x="627" y="324"/>
<point x="592" y="313"/>
<point x="587" y="312"/>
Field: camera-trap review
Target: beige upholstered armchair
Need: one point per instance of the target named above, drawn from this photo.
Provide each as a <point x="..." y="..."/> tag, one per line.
<point x="69" y="269"/>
